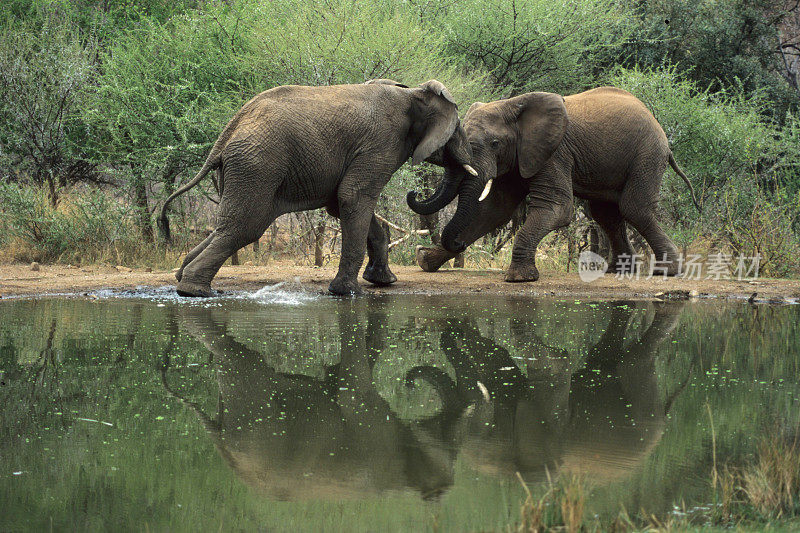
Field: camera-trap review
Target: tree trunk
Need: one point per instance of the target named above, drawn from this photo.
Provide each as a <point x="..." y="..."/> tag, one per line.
<point x="319" y="241"/>
<point x="142" y="210"/>
<point x="594" y="239"/>
<point x="571" y="245"/>
<point x="52" y="191"/>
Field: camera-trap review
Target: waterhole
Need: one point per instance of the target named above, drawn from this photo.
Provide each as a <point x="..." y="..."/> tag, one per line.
<point x="284" y="410"/>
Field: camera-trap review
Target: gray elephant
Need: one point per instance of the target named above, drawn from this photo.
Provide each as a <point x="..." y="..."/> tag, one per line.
<point x="603" y="420"/>
<point x="295" y="148"/>
<point x="601" y="145"/>
<point x="294" y="437"/>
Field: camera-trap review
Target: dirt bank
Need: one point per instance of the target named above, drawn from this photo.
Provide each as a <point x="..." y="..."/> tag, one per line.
<point x="20" y="280"/>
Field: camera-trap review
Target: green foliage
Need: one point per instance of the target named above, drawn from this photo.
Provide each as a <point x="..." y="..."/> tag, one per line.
<point x="165" y="92"/>
<point x="719" y="44"/>
<point x="43" y="73"/>
<point x="83" y="227"/>
<point x="537" y="44"/>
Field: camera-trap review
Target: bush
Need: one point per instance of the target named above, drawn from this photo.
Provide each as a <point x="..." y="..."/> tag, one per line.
<point x="716" y="44"/>
<point x="86" y="226"/>
<point x="537" y="45"/>
<point x="43" y="74"/>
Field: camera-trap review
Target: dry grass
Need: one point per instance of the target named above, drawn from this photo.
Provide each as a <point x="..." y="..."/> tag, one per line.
<point x="562" y="506"/>
<point x="750" y="495"/>
<point x="772" y="483"/>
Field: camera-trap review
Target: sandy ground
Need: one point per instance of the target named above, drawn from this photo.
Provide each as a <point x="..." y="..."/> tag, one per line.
<point x="21" y="280"/>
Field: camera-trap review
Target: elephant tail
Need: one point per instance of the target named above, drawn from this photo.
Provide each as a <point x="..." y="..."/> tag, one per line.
<point x="211" y="163"/>
<point x="680" y="173"/>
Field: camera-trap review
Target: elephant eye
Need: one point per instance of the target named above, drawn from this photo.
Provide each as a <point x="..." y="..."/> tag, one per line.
<point x="494" y="144"/>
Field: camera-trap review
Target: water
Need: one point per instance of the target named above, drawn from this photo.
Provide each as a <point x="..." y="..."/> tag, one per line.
<point x="283" y="410"/>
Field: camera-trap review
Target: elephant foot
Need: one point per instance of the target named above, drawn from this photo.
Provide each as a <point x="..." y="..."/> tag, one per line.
<point x="525" y="272"/>
<point x="430" y="259"/>
<point x="187" y="288"/>
<point x="379" y="275"/>
<point x="345" y="287"/>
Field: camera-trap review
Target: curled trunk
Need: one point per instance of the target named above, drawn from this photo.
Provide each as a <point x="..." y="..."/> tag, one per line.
<point x="444" y="194"/>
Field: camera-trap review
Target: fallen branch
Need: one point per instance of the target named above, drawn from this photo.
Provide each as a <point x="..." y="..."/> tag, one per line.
<point x="402" y="230"/>
<point x="390" y="224"/>
<point x="407" y="235"/>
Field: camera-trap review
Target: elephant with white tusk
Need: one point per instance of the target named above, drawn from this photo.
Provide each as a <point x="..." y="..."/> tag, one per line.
<point x="603" y="146"/>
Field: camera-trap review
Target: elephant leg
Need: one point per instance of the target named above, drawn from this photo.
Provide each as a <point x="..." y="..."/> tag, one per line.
<point x="638" y="205"/>
<point x="245" y="212"/>
<point x="549" y="208"/>
<point x="607" y="215"/>
<point x="357" y="198"/>
<point x="197" y="275"/>
<point x="494" y="212"/>
<point x="377" y="270"/>
<point x="194" y="253"/>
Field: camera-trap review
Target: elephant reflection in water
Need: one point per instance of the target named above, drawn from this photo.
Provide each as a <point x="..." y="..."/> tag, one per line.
<point x="296" y="437"/>
<point x="603" y="420"/>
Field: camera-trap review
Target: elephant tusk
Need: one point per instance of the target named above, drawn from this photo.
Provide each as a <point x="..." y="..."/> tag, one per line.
<point x="486" y="190"/>
<point x="471" y="170"/>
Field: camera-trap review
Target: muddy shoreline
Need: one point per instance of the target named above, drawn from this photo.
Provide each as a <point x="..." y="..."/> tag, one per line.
<point x="21" y="280"/>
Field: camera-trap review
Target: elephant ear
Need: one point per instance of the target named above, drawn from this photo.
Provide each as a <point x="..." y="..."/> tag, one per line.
<point x="385" y="81"/>
<point x="441" y="119"/>
<point x="541" y="121"/>
<point x="473" y="107"/>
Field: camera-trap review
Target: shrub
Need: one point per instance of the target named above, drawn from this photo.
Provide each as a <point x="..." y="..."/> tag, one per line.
<point x="86" y="226"/>
<point x="537" y="45"/>
<point x="43" y="74"/>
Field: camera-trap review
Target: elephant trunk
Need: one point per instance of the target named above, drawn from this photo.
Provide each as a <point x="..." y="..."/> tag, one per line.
<point x="444" y="194"/>
<point x="468" y="194"/>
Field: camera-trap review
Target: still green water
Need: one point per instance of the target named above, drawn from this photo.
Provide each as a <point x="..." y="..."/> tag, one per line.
<point x="287" y="411"/>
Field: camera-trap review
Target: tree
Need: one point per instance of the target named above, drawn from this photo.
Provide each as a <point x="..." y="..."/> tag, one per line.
<point x="43" y="76"/>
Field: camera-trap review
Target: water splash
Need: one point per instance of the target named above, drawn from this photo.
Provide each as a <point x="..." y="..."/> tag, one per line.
<point x="290" y="292"/>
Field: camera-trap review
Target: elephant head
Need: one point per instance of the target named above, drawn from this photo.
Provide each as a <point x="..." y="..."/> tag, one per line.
<point x="292" y="436"/>
<point x="438" y="135"/>
<point x="509" y="139"/>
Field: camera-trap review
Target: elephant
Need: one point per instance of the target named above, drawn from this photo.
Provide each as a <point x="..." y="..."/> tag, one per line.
<point x="603" y="146"/>
<point x="603" y="420"/>
<point x="294" y="437"/>
<point x="295" y="148"/>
